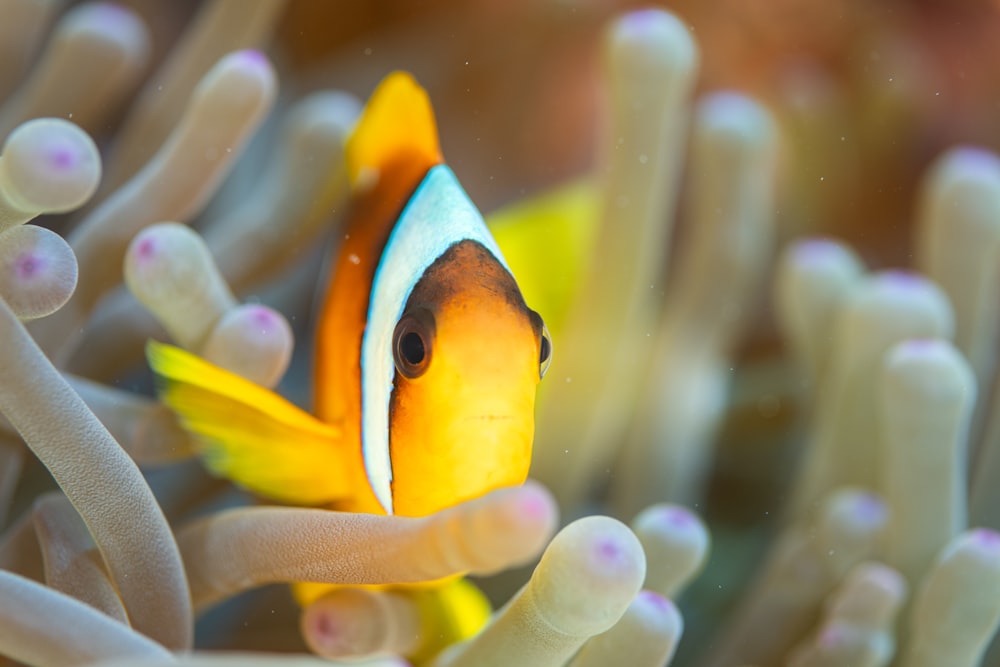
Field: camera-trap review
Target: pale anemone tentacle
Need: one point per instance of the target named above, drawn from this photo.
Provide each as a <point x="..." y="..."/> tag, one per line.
<point x="857" y="625"/>
<point x="93" y="59"/>
<point x="244" y="659"/>
<point x="259" y="237"/>
<point x="72" y="564"/>
<point x="171" y="272"/>
<point x="651" y="62"/>
<point x="221" y="27"/>
<point x="814" y="278"/>
<point x="802" y="568"/>
<point x="676" y="542"/>
<point x="926" y="397"/>
<point x="225" y="108"/>
<point x="144" y="427"/>
<point x="956" y="608"/>
<point x="98" y="477"/>
<point x="648" y="633"/>
<point x="47" y="165"/>
<point x="718" y="276"/>
<point x="21" y="35"/>
<point x="43" y="627"/>
<point x="843" y="447"/>
<point x="582" y="586"/>
<point x="235" y="550"/>
<point x="357" y="622"/>
<point x="102" y="482"/>
<point x="957" y="239"/>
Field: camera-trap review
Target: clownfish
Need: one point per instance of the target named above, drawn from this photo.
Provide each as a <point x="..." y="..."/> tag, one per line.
<point x="427" y="358"/>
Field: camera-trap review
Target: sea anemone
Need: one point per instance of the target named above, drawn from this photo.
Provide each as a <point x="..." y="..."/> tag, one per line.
<point x="848" y="478"/>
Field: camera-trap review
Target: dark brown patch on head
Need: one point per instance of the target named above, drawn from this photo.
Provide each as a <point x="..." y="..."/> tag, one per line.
<point x="466" y="266"/>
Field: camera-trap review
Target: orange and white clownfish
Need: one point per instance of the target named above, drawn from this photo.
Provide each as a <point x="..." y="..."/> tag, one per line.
<point x="427" y="357"/>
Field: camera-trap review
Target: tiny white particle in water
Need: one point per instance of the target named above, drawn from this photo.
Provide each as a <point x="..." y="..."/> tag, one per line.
<point x="353" y="259"/>
<point x="643" y="159"/>
<point x="569" y="379"/>
<point x="368" y="51"/>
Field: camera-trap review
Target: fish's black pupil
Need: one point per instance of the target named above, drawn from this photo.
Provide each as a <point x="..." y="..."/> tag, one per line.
<point x="544" y="350"/>
<point x="411" y="348"/>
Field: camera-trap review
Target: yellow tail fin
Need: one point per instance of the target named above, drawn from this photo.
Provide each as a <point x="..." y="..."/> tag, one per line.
<point x="249" y="434"/>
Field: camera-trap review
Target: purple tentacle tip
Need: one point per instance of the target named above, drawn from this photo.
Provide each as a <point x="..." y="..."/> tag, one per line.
<point x="145" y="249"/>
<point x="677" y="517"/>
<point x="921" y="346"/>
<point x="28" y="265"/>
<point x="533" y="506"/>
<point x="262" y="316"/>
<point x="906" y="280"/>
<point x="254" y="57"/>
<point x="988" y="539"/>
<point x="62" y="157"/>
<point x="655" y="601"/>
<point x="641" y="19"/>
<point x="831" y="637"/>
<point x="815" y="250"/>
<point x="870" y="508"/>
<point x="975" y="158"/>
<point x="109" y="11"/>
<point x="609" y="551"/>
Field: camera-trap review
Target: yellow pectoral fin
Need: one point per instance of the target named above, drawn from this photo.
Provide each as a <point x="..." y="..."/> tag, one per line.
<point x="249" y="434"/>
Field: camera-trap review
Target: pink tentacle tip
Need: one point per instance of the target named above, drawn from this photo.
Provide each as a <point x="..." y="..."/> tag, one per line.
<point x="533" y="505"/>
<point x="609" y="552"/>
<point x="975" y="158"/>
<point x="921" y="345"/>
<point x="62" y="157"/>
<point x="29" y="265"/>
<point x="146" y="248"/>
<point x="110" y="11"/>
<point x="988" y="539"/>
<point x="903" y="280"/>
<point x="641" y="19"/>
<point x="262" y="317"/>
<point x="254" y="58"/>
<point x="832" y="637"/>
<point x="870" y="508"/>
<point x="815" y="251"/>
<point x="324" y="628"/>
<point x="655" y="601"/>
<point x="677" y="517"/>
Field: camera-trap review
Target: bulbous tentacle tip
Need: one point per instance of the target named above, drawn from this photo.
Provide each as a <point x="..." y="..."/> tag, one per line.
<point x="38" y="271"/>
<point x="48" y="165"/>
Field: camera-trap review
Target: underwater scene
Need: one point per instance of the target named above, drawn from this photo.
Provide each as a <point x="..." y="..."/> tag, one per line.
<point x="527" y="333"/>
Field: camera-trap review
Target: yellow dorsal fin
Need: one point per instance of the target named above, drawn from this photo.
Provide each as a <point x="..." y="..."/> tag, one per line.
<point x="397" y="119"/>
<point x="249" y="434"/>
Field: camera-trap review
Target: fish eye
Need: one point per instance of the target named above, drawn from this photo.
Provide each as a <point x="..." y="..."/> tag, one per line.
<point x="544" y="352"/>
<point x="411" y="343"/>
